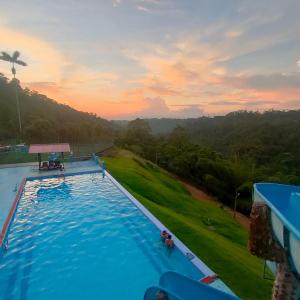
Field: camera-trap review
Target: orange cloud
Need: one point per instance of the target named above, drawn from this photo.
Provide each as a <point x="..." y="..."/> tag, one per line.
<point x="233" y="33"/>
<point x="183" y="73"/>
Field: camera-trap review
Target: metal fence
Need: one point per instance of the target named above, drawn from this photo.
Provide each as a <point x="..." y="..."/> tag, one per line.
<point x="18" y="153"/>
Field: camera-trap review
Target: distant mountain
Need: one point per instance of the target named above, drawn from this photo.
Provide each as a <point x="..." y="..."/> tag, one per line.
<point x="265" y="136"/>
<point x="238" y="132"/>
<point x="45" y="120"/>
<point x="268" y="136"/>
<point x="241" y="132"/>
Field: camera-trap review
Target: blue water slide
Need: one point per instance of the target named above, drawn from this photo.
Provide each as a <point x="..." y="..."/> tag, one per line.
<point x="184" y="288"/>
<point x="284" y="203"/>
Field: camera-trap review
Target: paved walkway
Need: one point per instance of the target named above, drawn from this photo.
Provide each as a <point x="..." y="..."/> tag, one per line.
<point x="11" y="177"/>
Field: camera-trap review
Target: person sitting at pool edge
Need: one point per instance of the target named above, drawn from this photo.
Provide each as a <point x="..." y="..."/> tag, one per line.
<point x="164" y="235"/>
<point x="169" y="242"/>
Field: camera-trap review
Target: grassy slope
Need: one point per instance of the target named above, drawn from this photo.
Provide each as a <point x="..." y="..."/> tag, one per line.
<point x="204" y="227"/>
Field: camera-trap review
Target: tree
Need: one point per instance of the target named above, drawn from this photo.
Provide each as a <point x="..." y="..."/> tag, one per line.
<point x="179" y="137"/>
<point x="138" y="131"/>
<point x="14" y="59"/>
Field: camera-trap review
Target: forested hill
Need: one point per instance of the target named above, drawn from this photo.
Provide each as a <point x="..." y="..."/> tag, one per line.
<point x="239" y="133"/>
<point x="218" y="124"/>
<point x="261" y="136"/>
<point x="45" y="120"/>
<point x="225" y="154"/>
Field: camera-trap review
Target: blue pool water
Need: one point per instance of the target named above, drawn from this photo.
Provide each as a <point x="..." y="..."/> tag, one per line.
<point x="81" y="238"/>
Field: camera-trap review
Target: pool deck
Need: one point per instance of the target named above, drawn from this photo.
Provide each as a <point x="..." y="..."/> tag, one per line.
<point x="11" y="177"/>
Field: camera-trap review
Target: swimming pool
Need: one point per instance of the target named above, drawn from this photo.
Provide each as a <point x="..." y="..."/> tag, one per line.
<point x="80" y="237"/>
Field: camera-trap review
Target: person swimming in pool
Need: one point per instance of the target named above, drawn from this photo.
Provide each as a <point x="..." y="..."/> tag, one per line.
<point x="164" y="235"/>
<point x="169" y="242"/>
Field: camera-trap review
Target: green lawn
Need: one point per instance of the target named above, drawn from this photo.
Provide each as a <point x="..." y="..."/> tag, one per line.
<point x="204" y="227"/>
<point x="16" y="157"/>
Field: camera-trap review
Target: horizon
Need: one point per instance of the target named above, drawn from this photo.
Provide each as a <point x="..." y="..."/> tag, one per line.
<point x="124" y="59"/>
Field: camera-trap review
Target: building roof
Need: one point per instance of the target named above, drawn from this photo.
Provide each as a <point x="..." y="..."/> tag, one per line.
<point x="49" y="148"/>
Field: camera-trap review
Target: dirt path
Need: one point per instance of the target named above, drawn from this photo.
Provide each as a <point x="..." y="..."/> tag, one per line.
<point x="197" y="193"/>
<point x="203" y="196"/>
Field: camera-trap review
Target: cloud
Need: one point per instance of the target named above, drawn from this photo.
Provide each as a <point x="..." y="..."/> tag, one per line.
<point x="155" y="2"/>
<point x="266" y="82"/>
<point x="260" y="103"/>
<point x="81" y="89"/>
<point x="47" y="87"/>
<point x="143" y="8"/>
<point x="185" y="69"/>
<point x="155" y="86"/>
<point x="146" y="6"/>
<point x="192" y="60"/>
<point x="152" y="6"/>
<point x="50" y="71"/>
<point x="80" y="76"/>
<point x="178" y="70"/>
<point x="244" y="103"/>
<point x="116" y="3"/>
<point x="233" y="33"/>
<point x="226" y="103"/>
<point x="294" y="104"/>
<point x="189" y="69"/>
<point x="190" y="111"/>
<point x="157" y="108"/>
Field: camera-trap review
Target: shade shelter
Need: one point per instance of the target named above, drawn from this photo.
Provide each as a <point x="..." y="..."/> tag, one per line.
<point x="48" y="148"/>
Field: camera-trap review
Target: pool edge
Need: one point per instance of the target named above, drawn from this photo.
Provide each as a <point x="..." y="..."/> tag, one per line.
<point x="196" y="261"/>
<point x="180" y="245"/>
<point x="10" y="216"/>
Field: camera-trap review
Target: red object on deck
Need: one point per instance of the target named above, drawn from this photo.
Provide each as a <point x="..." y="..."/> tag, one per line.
<point x="49" y="148"/>
<point x="209" y="279"/>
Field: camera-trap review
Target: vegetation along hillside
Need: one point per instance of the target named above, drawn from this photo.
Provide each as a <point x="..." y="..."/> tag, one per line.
<point x="44" y="120"/>
<point x="205" y="227"/>
<point x="224" y="155"/>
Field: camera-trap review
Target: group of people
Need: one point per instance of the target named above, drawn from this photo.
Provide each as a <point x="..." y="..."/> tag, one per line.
<point x="51" y="165"/>
<point x="166" y="238"/>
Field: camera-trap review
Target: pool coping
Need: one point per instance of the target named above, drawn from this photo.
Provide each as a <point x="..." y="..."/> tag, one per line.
<point x="9" y="218"/>
<point x="200" y="265"/>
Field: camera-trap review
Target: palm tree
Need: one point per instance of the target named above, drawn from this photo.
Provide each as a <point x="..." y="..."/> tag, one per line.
<point x="13" y="59"/>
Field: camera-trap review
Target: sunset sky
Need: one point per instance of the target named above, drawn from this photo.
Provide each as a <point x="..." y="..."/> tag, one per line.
<point x="123" y="59"/>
